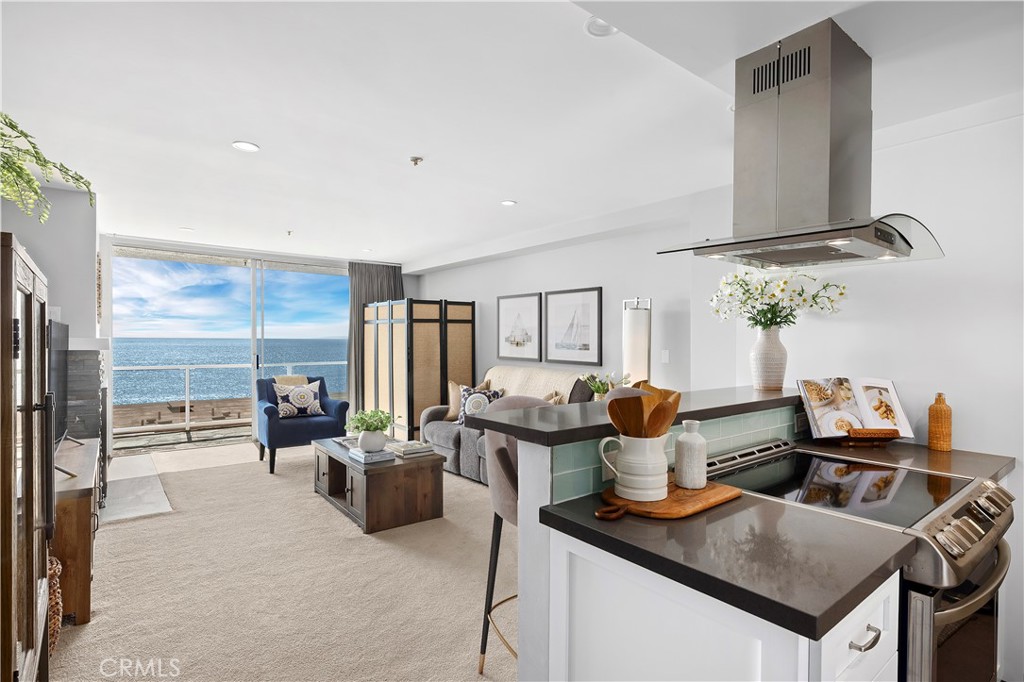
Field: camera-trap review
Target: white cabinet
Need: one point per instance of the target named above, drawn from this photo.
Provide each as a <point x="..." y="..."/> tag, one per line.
<point x="613" y="620"/>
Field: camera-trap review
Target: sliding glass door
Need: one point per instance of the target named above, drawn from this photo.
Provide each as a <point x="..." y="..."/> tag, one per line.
<point x="300" y="323"/>
<point x="193" y="331"/>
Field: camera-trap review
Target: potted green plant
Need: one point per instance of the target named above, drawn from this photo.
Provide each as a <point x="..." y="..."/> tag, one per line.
<point x="601" y="385"/>
<point x="18" y="151"/>
<point x="370" y="425"/>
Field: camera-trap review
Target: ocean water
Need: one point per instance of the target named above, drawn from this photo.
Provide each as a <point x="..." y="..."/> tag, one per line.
<point x="157" y="386"/>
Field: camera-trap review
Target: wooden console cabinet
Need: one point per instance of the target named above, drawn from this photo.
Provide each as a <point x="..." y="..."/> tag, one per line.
<point x="76" y="522"/>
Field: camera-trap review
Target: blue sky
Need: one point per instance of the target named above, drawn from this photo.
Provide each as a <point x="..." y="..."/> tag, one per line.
<point x="170" y="299"/>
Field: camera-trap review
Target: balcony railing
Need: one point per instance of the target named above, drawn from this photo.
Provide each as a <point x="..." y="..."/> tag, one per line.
<point x="172" y="410"/>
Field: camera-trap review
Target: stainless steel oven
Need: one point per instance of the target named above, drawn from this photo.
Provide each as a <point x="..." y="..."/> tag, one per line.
<point x="949" y="604"/>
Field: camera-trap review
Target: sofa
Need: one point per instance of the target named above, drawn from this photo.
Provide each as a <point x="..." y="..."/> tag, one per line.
<point x="463" y="447"/>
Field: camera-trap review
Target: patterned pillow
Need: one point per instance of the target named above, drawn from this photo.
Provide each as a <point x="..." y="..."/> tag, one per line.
<point x="298" y="401"/>
<point x="474" y="401"/>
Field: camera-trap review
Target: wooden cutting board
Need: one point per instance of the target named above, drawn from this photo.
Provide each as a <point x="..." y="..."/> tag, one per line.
<point x="679" y="504"/>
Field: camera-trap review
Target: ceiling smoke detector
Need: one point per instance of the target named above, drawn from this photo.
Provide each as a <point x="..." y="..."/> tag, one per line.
<point x="599" y="28"/>
<point x="243" y="146"/>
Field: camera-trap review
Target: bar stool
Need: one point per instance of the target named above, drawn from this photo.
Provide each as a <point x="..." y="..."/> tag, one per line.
<point x="503" y="481"/>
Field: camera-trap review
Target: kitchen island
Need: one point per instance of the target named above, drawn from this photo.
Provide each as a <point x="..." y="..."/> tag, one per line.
<point x="761" y="558"/>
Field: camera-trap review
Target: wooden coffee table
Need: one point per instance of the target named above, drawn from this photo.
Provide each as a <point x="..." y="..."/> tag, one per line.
<point x="381" y="495"/>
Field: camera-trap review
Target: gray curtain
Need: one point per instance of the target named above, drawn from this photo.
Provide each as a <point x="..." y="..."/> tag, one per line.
<point x="367" y="283"/>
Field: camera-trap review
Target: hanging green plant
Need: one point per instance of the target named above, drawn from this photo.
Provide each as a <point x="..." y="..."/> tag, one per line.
<point x="18" y="151"/>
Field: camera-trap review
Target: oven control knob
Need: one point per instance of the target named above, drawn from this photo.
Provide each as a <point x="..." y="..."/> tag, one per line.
<point x="974" y="528"/>
<point x="996" y="501"/>
<point x="1002" y="492"/>
<point x="949" y="545"/>
<point x="963" y="527"/>
<point x="989" y="508"/>
<point x="980" y="512"/>
<point x="961" y="538"/>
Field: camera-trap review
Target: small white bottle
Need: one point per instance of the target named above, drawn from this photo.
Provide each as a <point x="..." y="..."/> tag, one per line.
<point x="691" y="457"/>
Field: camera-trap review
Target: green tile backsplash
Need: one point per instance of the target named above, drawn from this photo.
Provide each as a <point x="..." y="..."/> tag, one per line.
<point x="576" y="467"/>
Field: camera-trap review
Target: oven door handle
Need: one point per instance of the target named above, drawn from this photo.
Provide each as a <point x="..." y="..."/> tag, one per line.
<point x="980" y="597"/>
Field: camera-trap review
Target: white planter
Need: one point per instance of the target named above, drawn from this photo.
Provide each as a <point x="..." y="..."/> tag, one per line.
<point x="691" y="457"/>
<point x="768" y="360"/>
<point x="372" y="441"/>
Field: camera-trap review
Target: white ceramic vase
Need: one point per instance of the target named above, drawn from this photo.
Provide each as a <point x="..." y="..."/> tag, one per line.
<point x="372" y="441"/>
<point x="691" y="457"/>
<point x="768" y="360"/>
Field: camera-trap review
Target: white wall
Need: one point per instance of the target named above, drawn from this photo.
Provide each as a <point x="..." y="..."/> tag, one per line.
<point x="626" y="266"/>
<point x="64" y="248"/>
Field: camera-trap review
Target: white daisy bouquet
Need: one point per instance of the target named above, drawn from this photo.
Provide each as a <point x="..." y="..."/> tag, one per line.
<point x="774" y="301"/>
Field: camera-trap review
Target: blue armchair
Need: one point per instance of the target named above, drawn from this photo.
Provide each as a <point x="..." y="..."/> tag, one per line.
<point x="275" y="432"/>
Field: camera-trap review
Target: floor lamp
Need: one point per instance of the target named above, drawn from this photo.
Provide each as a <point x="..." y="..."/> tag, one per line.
<point x="636" y="339"/>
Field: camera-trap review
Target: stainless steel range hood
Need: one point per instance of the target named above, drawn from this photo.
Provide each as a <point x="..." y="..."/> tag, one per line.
<point x="802" y="161"/>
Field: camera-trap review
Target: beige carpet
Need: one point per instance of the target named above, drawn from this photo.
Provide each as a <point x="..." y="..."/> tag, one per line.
<point x="255" y="577"/>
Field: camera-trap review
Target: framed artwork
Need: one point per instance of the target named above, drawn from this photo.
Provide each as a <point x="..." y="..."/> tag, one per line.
<point x="573" y="326"/>
<point x="519" y="332"/>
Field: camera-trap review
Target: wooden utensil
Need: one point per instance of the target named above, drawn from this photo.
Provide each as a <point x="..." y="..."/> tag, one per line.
<point x="631" y="410"/>
<point x="679" y="504"/>
<point x="616" y="416"/>
<point x="661" y="419"/>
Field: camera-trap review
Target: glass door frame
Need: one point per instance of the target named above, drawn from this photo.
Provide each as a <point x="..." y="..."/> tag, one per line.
<point x="253" y="259"/>
<point x="257" y="291"/>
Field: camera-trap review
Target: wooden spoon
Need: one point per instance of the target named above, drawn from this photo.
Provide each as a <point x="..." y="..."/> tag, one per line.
<point x="631" y="411"/>
<point x="616" y="416"/>
<point x="661" y="419"/>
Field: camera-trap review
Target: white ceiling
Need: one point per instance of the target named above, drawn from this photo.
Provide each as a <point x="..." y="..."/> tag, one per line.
<point x="503" y="100"/>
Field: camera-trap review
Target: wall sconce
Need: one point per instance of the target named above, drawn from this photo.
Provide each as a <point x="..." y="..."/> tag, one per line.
<point x="636" y="339"/>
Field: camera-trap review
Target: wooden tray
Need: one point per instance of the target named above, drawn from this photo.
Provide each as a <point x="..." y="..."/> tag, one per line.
<point x="872" y="438"/>
<point x="679" y="504"/>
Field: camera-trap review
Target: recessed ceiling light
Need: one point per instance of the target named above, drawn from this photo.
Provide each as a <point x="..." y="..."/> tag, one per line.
<point x="187" y="229"/>
<point x="367" y="250"/>
<point x="839" y="242"/>
<point x="243" y="146"/>
<point x="716" y="255"/>
<point x="599" y="28"/>
<point x="774" y="267"/>
<point x="508" y="202"/>
<point x="887" y="256"/>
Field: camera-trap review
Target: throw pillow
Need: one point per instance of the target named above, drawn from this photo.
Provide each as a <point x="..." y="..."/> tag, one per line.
<point x="474" y="401"/>
<point x="555" y="398"/>
<point x="580" y="393"/>
<point x="455" y="398"/>
<point x="298" y="401"/>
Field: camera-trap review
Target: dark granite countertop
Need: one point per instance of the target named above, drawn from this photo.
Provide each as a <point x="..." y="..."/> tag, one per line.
<point x="562" y="424"/>
<point x="794" y="567"/>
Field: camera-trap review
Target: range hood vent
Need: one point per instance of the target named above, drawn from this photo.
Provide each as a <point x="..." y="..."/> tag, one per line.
<point x="802" y="161"/>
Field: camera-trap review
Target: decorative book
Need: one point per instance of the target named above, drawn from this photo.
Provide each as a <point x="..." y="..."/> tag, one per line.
<point x="369" y="457"/>
<point x="843" y="408"/>
<point x="411" y="447"/>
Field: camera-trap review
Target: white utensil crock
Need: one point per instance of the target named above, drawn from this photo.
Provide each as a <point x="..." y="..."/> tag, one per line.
<point x="640" y="467"/>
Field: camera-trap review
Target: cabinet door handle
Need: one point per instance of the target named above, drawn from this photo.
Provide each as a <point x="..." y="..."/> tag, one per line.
<point x="876" y="635"/>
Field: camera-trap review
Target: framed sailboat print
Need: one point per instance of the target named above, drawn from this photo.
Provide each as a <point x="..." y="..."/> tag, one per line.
<point x="519" y="334"/>
<point x="572" y="326"/>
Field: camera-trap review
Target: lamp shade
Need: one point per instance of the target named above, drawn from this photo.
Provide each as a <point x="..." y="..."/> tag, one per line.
<point x="636" y="339"/>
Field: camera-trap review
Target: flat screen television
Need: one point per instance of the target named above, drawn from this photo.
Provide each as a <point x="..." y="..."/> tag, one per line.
<point x="57" y="381"/>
